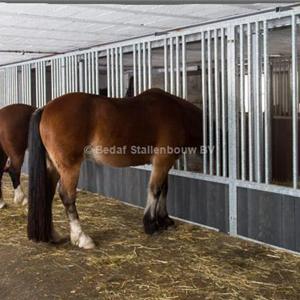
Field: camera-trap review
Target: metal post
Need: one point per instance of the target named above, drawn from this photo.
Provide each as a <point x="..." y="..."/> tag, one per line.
<point x="242" y="105"/>
<point x="232" y="134"/>
<point x="295" y="100"/>
<point x="204" y="100"/>
<point x="184" y="89"/>
<point x="224" y="106"/>
<point x="210" y="107"/>
<point x="267" y="107"/>
<point x="217" y="100"/>
<point x="258" y="122"/>
<point x="250" y="106"/>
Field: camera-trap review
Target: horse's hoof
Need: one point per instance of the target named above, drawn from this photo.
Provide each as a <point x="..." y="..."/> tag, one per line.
<point x="2" y="204"/>
<point x="83" y="241"/>
<point x="165" y="222"/>
<point x="19" y="196"/>
<point x="150" y="226"/>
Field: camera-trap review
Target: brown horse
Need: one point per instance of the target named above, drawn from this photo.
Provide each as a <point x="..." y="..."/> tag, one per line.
<point x="67" y="126"/>
<point x="14" y="125"/>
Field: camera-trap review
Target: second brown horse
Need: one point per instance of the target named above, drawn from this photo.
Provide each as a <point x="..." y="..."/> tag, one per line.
<point x="65" y="127"/>
<point x="14" y="124"/>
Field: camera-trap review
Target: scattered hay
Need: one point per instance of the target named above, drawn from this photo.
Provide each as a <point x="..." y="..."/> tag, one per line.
<point x="186" y="263"/>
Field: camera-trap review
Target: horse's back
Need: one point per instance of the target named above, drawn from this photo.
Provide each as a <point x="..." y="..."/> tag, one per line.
<point x="153" y="118"/>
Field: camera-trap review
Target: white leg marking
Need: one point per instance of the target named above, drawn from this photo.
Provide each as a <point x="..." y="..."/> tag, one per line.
<point x="20" y="196"/>
<point x="150" y="206"/>
<point x="2" y="203"/>
<point x="78" y="237"/>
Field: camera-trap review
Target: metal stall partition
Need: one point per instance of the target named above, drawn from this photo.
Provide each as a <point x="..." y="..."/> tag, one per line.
<point x="234" y="191"/>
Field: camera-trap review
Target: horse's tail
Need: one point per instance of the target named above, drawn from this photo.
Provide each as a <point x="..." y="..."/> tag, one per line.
<point x="39" y="200"/>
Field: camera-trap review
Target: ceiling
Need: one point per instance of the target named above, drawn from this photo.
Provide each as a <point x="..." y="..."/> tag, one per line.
<point x="35" y="30"/>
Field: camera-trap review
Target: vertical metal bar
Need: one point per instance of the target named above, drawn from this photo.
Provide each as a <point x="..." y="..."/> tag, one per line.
<point x="112" y="71"/>
<point x="217" y="100"/>
<point x="134" y="69"/>
<point x="258" y="102"/>
<point x="144" y="67"/>
<point x="90" y="72"/>
<point x="69" y="81"/>
<point x="52" y="79"/>
<point x="72" y="73"/>
<point x="224" y="107"/>
<point x="204" y="101"/>
<point x="23" y="100"/>
<point x="97" y="72"/>
<point x="63" y="73"/>
<point x="117" y="71"/>
<point x="210" y="108"/>
<point x="171" y="66"/>
<point x="232" y="134"/>
<point x="250" y="106"/>
<point x="121" y="72"/>
<point x="93" y="72"/>
<point x="184" y="84"/>
<point x="85" y="73"/>
<point x="42" y="75"/>
<point x="295" y="100"/>
<point x="166" y="64"/>
<point x="242" y="105"/>
<point x="24" y="89"/>
<point x="267" y="107"/>
<point x="139" y="69"/>
<point x="76" y="72"/>
<point x="56" y="78"/>
<point x="37" y="84"/>
<point x="149" y="66"/>
<point x="108" y="72"/>
<point x="80" y="74"/>
<point x="177" y="66"/>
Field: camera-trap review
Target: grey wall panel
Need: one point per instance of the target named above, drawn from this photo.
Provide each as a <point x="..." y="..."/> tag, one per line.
<point x="190" y="199"/>
<point x="269" y="217"/>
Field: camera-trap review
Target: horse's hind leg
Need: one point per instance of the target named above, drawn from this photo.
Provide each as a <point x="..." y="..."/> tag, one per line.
<point x="3" y="159"/>
<point x="163" y="219"/>
<point x="14" y="171"/>
<point x="67" y="192"/>
<point x="156" y="191"/>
